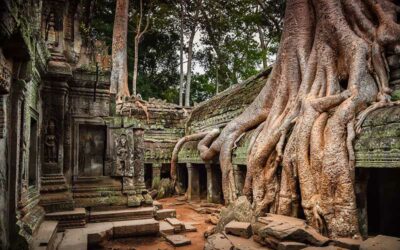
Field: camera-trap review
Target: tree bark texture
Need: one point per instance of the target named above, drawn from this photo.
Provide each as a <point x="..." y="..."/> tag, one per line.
<point x="330" y="69"/>
<point x="119" y="73"/>
<point x="138" y="37"/>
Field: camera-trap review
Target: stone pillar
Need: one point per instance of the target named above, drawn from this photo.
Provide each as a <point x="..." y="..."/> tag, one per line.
<point x="239" y="176"/>
<point x="193" y="191"/>
<point x="156" y="175"/>
<point x="210" y="186"/>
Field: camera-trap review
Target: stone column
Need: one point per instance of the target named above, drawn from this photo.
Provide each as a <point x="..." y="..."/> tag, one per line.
<point x="209" y="183"/>
<point x="239" y="176"/>
<point x="193" y="191"/>
<point x="156" y="175"/>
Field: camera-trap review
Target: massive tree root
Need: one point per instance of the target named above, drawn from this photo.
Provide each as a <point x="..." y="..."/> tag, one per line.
<point x="330" y="67"/>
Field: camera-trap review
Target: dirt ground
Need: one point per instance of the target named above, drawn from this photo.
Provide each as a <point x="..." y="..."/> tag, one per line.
<point x="184" y="213"/>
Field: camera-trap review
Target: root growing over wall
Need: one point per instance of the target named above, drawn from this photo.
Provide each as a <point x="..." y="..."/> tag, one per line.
<point x="331" y="67"/>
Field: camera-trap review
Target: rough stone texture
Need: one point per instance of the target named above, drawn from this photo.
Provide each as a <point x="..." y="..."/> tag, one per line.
<point x="291" y="245"/>
<point x="381" y="242"/>
<point x="218" y="241"/>
<point x="242" y="229"/>
<point x="177" y="224"/>
<point x="273" y="229"/>
<point x="157" y="204"/>
<point x="165" y="213"/>
<point x="69" y="219"/>
<point x="189" y="227"/>
<point x="240" y="210"/>
<point x="123" y="229"/>
<point x="166" y="228"/>
<point x="122" y="214"/>
<point x="178" y="240"/>
<point x="45" y="236"/>
<point x="347" y="243"/>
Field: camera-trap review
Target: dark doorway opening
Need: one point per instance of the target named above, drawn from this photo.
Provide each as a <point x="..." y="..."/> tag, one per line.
<point x="148" y="175"/>
<point x="33" y="140"/>
<point x="202" y="181"/>
<point x="182" y="176"/>
<point x="383" y="201"/>
<point x="165" y="171"/>
<point x="92" y="141"/>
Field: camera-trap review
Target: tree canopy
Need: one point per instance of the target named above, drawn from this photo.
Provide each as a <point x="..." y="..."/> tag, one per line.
<point x="234" y="40"/>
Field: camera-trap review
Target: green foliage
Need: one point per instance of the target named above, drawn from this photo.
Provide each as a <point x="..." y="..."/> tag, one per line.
<point x="228" y="51"/>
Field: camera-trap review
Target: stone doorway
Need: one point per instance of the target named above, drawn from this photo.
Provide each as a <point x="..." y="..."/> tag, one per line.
<point x="182" y="176"/>
<point x="202" y="181"/>
<point x="383" y="201"/>
<point x="92" y="141"/>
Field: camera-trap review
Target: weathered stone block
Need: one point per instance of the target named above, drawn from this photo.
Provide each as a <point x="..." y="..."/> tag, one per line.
<point x="381" y="242"/>
<point x="123" y="229"/>
<point x="242" y="229"/>
<point x="157" y="204"/>
<point x="189" y="227"/>
<point x="347" y="243"/>
<point x="166" y="228"/>
<point x="165" y="213"/>
<point x="178" y="240"/>
<point x="291" y="245"/>
<point x="177" y="224"/>
<point x="283" y="228"/>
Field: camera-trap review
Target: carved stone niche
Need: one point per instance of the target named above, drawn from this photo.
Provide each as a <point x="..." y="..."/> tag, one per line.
<point x="122" y="152"/>
<point x="127" y="152"/>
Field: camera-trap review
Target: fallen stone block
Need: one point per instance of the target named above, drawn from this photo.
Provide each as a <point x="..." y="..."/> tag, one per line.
<point x="165" y="213"/>
<point x="348" y="243"/>
<point x="242" y="229"/>
<point x="189" y="227"/>
<point x="291" y="245"/>
<point x="285" y="228"/>
<point x="157" y="204"/>
<point x="178" y="240"/>
<point x="177" y="224"/>
<point x="381" y="242"/>
<point x="218" y="242"/>
<point x="123" y="229"/>
<point x="166" y="228"/>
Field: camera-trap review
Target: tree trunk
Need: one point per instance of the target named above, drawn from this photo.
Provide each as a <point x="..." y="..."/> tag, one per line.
<point x="189" y="67"/>
<point x="262" y="45"/>
<point x="330" y="68"/>
<point x="138" y="36"/>
<point x="181" y="79"/>
<point x="119" y="73"/>
<point x="135" y="65"/>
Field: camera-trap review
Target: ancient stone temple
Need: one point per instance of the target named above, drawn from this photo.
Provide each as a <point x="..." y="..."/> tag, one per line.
<point x="70" y="155"/>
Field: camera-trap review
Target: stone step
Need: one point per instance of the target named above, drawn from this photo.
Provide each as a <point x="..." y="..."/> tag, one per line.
<point x="165" y="213"/>
<point x="53" y="188"/>
<point x="123" y="214"/>
<point x="122" y="229"/>
<point x="177" y="224"/>
<point x="44" y="238"/>
<point x="52" y="181"/>
<point x="166" y="228"/>
<point x="69" y="219"/>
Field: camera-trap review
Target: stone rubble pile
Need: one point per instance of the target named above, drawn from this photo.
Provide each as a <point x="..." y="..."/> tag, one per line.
<point x="286" y="233"/>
